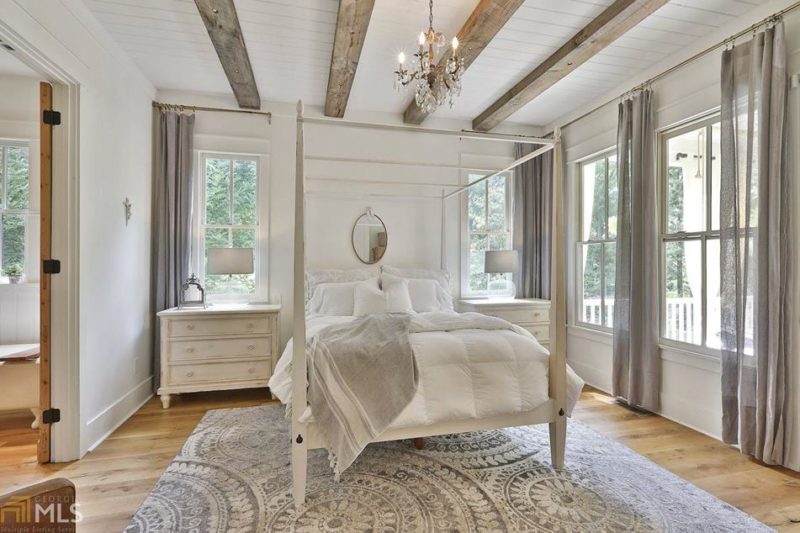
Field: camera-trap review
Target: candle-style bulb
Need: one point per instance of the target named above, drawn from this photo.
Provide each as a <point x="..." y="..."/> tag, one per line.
<point x="401" y="58"/>
<point x="455" y="43"/>
<point x="421" y="38"/>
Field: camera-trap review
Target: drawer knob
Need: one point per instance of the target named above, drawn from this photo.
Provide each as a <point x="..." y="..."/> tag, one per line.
<point x="251" y="347"/>
<point x="250" y="325"/>
<point x="251" y="370"/>
<point x="189" y="374"/>
<point x="190" y="327"/>
<point x="537" y="315"/>
<point x="189" y="350"/>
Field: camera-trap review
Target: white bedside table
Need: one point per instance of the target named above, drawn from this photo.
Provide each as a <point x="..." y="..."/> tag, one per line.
<point x="221" y="347"/>
<point x="529" y="313"/>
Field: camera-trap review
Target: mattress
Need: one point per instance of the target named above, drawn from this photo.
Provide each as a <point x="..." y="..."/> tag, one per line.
<point x="465" y="374"/>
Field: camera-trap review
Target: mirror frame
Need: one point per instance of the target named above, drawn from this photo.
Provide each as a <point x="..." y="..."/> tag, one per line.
<point x="368" y="212"/>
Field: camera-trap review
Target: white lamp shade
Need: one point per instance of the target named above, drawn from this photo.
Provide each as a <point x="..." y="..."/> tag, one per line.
<point x="230" y="261"/>
<point x="500" y="262"/>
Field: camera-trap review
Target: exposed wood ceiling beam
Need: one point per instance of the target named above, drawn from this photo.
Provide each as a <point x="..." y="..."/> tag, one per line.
<point x="351" y="29"/>
<point x="222" y="24"/>
<point x="611" y="24"/>
<point x="488" y="17"/>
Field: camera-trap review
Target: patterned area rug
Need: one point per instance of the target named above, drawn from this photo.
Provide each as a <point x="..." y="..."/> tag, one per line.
<point x="234" y="474"/>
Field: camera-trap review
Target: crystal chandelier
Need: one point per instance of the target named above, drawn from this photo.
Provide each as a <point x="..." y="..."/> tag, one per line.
<point x="435" y="83"/>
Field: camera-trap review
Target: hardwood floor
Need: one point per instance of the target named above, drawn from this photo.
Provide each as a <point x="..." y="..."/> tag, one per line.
<point x="113" y="480"/>
<point x="772" y="495"/>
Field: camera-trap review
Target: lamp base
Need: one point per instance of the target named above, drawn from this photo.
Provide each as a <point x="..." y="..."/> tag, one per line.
<point x="512" y="289"/>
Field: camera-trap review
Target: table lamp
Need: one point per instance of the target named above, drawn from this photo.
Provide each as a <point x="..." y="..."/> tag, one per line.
<point x="502" y="262"/>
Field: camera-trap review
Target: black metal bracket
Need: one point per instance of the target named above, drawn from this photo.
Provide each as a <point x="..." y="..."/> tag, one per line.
<point x="561" y="412"/>
<point x="51" y="416"/>
<point x="299" y="439"/>
<point x="51" y="117"/>
<point x="51" y="266"/>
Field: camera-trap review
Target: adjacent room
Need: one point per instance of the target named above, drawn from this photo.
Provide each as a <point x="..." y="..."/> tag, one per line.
<point x="430" y="265"/>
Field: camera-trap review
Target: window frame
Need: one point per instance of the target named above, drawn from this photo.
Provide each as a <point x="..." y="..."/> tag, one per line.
<point x="706" y="121"/>
<point x="30" y="272"/>
<point x="261" y="250"/>
<point x="580" y="243"/>
<point x="466" y="291"/>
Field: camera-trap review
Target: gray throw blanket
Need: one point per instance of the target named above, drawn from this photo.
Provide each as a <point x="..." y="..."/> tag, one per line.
<point x="361" y="376"/>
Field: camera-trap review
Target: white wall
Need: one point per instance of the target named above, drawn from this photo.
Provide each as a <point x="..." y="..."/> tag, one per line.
<point x="19" y="304"/>
<point x="413" y="225"/>
<point x="115" y="143"/>
<point x="690" y="391"/>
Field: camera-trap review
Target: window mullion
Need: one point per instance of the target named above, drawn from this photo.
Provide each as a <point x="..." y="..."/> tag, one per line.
<point x="230" y="191"/>
<point x="3" y="188"/>
<point x="703" y="292"/>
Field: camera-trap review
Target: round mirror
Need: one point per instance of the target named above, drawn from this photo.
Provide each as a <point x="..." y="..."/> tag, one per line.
<point x="369" y="238"/>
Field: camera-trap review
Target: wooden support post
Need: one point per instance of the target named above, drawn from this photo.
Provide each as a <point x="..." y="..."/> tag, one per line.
<point x="299" y="373"/>
<point x="558" y="310"/>
<point x="45" y="252"/>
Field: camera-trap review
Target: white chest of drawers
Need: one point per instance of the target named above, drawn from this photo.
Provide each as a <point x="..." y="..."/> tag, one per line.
<point x="219" y="348"/>
<point x="529" y="313"/>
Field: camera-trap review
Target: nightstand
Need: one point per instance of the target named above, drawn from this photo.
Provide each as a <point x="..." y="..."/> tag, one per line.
<point x="529" y="313"/>
<point x="221" y="347"/>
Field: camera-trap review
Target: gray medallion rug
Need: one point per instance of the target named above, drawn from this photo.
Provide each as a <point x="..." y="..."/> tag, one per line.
<point x="234" y="474"/>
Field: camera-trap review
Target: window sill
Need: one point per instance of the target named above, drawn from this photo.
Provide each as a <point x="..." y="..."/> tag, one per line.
<point x="688" y="349"/>
<point x="589" y="333"/>
<point x="703" y="358"/>
<point x="20" y="284"/>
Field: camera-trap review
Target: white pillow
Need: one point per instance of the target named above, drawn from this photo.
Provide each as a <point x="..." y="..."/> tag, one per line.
<point x="314" y="278"/>
<point x="424" y="295"/>
<point x="333" y="299"/>
<point x="442" y="278"/>
<point x="398" y="299"/>
<point x="369" y="298"/>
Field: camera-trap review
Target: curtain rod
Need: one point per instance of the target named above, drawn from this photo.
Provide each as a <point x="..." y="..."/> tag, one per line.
<point x="181" y="107"/>
<point x="692" y="59"/>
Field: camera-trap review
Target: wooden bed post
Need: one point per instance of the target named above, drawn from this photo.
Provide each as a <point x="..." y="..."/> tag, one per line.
<point x="299" y="436"/>
<point x="558" y="318"/>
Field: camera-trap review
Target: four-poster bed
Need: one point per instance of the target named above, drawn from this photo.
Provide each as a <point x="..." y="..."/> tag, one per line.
<point x="553" y="411"/>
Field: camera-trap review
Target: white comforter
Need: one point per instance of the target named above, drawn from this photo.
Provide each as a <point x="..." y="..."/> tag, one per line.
<point x="464" y="374"/>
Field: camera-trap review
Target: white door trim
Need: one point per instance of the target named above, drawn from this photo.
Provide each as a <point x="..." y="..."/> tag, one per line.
<point x="65" y="365"/>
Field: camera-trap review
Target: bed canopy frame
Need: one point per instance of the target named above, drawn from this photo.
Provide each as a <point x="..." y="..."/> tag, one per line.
<point x="305" y="436"/>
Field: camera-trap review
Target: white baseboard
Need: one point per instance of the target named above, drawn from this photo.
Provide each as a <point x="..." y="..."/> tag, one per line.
<point x="677" y="410"/>
<point x="109" y="419"/>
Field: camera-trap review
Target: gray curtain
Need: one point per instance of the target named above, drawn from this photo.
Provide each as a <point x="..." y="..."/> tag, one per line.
<point x="533" y="184"/>
<point x="172" y="213"/>
<point x="636" y="376"/>
<point x="754" y="247"/>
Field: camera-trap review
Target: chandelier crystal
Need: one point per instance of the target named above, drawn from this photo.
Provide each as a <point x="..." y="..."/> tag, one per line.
<point x="436" y="83"/>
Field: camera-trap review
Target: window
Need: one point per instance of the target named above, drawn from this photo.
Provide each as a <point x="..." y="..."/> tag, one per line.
<point x="488" y="228"/>
<point x="596" y="254"/>
<point x="15" y="204"/>
<point x="229" y="218"/>
<point x="690" y="170"/>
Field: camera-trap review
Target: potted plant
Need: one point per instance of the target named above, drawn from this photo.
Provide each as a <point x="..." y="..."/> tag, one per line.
<point x="13" y="272"/>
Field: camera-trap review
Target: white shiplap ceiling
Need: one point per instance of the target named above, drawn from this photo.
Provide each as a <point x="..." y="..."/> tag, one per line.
<point x="290" y="42"/>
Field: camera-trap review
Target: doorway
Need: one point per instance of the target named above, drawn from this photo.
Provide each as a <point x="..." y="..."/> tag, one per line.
<point x="38" y="312"/>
